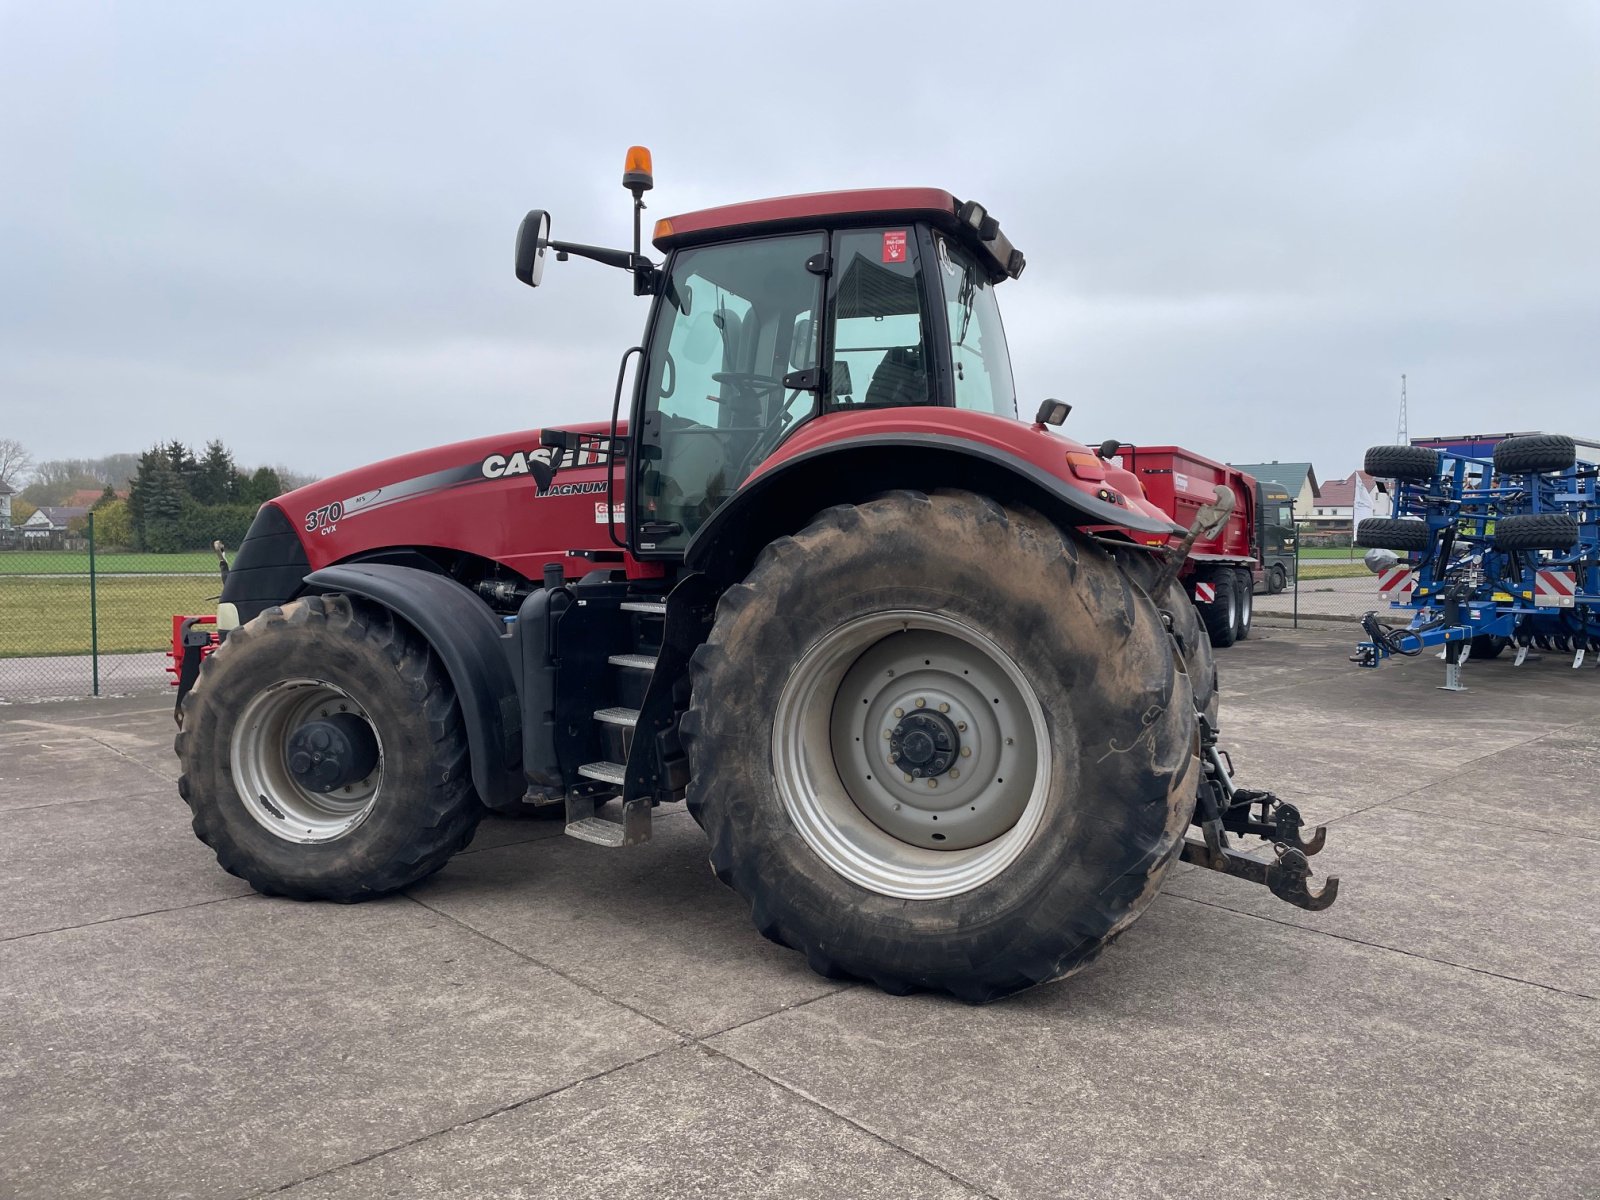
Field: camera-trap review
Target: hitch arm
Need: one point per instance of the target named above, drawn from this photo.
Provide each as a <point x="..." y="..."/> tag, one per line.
<point x="1286" y="876"/>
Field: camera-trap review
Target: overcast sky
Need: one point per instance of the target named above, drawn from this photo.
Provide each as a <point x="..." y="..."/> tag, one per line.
<point x="290" y="225"/>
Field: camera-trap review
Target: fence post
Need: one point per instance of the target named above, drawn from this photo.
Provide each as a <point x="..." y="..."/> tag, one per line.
<point x="94" y="614"/>
<point x="1295" y="621"/>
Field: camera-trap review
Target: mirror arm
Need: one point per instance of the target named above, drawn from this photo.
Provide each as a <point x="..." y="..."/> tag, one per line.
<point x="646" y="276"/>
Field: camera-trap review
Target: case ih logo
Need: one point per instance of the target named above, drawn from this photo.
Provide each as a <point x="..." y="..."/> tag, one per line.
<point x="542" y="465"/>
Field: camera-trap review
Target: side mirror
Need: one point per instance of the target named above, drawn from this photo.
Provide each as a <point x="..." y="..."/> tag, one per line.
<point x="532" y="238"/>
<point x="1108" y="448"/>
<point x="1051" y="412"/>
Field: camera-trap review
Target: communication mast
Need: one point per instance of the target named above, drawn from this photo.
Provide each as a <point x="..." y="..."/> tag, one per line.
<point x="1400" y="432"/>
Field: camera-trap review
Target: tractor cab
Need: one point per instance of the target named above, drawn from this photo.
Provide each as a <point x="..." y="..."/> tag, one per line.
<point x="771" y="313"/>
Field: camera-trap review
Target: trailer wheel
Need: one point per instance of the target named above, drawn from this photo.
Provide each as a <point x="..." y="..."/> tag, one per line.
<point x="1402" y="462"/>
<point x="1488" y="645"/>
<point x="1535" y="454"/>
<point x="1386" y="533"/>
<point x="940" y="745"/>
<point x="1536" y="531"/>
<point x="1245" y="592"/>
<point x="1221" y="616"/>
<point x="323" y="754"/>
<point x="1194" y="644"/>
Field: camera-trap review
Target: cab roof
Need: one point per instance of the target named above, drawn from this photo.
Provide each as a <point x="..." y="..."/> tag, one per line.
<point x="934" y="205"/>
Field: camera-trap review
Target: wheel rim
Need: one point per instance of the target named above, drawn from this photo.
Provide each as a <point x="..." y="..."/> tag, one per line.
<point x="1247" y="604"/>
<point x="918" y="801"/>
<point x="261" y="772"/>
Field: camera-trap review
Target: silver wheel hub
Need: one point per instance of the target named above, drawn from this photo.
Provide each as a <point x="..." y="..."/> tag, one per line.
<point x="912" y="754"/>
<point x="271" y="756"/>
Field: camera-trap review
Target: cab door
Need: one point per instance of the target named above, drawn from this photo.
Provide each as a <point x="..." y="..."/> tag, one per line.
<point x="732" y="364"/>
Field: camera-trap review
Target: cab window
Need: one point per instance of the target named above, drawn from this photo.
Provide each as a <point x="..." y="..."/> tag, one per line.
<point x="980" y="362"/>
<point x="734" y="321"/>
<point x="880" y="355"/>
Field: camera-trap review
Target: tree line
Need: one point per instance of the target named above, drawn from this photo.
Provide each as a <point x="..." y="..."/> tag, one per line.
<point x="167" y="499"/>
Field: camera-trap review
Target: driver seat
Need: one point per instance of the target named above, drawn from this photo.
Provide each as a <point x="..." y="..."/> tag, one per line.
<point x="899" y="380"/>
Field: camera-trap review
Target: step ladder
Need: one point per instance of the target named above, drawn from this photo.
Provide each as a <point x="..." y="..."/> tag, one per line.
<point x="631" y="674"/>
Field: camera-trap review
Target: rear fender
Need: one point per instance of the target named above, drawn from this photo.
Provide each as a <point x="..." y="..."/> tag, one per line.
<point x="467" y="637"/>
<point x="784" y="497"/>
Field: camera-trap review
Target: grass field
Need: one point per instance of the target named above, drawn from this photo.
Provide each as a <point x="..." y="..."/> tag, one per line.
<point x="51" y="616"/>
<point x="75" y="562"/>
<point x="1342" y="553"/>
<point x="1331" y="570"/>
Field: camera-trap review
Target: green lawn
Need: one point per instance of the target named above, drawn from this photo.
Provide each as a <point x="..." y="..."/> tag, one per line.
<point x="74" y="562"/>
<point x="51" y="616"/>
<point x="1332" y="570"/>
<point x="1340" y="552"/>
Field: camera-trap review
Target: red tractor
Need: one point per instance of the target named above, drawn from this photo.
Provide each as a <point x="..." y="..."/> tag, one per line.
<point x="921" y="669"/>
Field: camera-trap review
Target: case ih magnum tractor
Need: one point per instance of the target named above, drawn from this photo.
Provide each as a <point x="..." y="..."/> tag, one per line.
<point x="920" y="668"/>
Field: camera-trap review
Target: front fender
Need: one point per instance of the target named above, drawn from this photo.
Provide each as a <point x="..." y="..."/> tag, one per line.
<point x="467" y="638"/>
<point x="783" y="496"/>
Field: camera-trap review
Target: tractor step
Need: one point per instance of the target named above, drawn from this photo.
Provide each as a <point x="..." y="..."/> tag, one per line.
<point x="634" y="662"/>
<point x="586" y="826"/>
<point x="626" y="717"/>
<point x="605" y="772"/>
<point x="597" y="830"/>
<point x="658" y="607"/>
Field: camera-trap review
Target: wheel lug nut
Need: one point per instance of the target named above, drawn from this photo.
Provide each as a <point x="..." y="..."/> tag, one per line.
<point x="917" y="771"/>
<point x="888" y="733"/>
<point x="899" y="712"/>
<point x="921" y="703"/>
<point x="966" y="752"/>
<point x="955" y="772"/>
<point x="933" y="783"/>
<point x="908" y="780"/>
<point x="944" y="708"/>
<point x="961" y="726"/>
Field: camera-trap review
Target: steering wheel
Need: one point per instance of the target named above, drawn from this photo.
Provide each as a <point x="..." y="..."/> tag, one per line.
<point x="748" y="382"/>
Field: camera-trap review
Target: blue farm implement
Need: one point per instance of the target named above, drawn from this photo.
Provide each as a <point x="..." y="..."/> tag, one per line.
<point x="1500" y="552"/>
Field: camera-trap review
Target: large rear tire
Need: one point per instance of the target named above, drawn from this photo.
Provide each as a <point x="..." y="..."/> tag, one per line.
<point x="1194" y="644"/>
<point x="1244" y="591"/>
<point x="341" y="666"/>
<point x="1068" y="810"/>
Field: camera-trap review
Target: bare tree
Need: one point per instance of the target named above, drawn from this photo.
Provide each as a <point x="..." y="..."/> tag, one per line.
<point x="15" y="461"/>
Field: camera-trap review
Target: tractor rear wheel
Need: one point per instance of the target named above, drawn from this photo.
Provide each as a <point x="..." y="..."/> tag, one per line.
<point x="323" y="754"/>
<point x="940" y="745"/>
<point x="1194" y="644"/>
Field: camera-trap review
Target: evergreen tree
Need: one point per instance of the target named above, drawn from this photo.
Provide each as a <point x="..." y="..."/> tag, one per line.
<point x="264" y="485"/>
<point x="217" y="478"/>
<point x="109" y="496"/>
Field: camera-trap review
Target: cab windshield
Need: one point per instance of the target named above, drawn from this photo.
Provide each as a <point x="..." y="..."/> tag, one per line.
<point x="735" y="321"/>
<point x="980" y="362"/>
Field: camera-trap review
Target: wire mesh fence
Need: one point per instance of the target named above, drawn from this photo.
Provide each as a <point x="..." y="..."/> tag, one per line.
<point x="79" y="620"/>
<point x="1329" y="583"/>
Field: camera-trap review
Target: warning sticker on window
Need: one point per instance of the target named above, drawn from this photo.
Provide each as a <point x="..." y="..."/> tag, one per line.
<point x="894" y="246"/>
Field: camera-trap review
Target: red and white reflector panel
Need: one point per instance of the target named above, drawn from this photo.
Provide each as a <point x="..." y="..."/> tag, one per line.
<point x="1396" y="583"/>
<point x="1205" y="593"/>
<point x="1554" y="589"/>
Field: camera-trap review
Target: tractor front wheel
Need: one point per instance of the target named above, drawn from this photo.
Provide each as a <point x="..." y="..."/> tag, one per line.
<point x="940" y="745"/>
<point x="323" y="754"/>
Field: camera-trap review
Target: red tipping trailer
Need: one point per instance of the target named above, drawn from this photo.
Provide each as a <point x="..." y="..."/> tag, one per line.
<point x="1222" y="571"/>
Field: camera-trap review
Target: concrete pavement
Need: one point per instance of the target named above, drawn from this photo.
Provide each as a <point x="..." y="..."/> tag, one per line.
<point x="547" y="1018"/>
